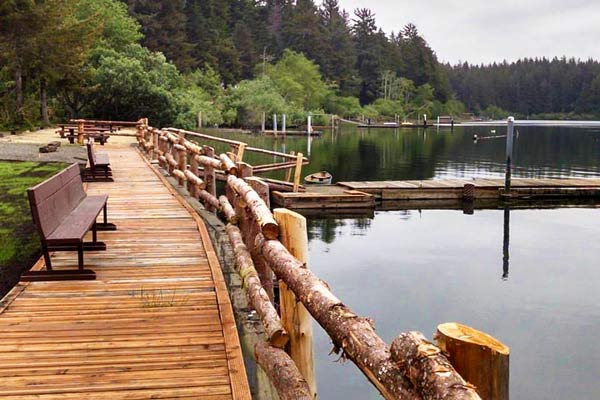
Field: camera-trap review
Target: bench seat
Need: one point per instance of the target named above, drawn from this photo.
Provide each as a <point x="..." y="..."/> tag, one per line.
<point x="102" y="159"/>
<point x="81" y="220"/>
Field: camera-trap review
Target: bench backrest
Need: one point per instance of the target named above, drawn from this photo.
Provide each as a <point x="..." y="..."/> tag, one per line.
<point x="52" y="200"/>
<point x="90" y="152"/>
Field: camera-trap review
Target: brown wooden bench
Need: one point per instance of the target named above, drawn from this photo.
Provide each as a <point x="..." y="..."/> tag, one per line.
<point x="63" y="214"/>
<point x="99" y="165"/>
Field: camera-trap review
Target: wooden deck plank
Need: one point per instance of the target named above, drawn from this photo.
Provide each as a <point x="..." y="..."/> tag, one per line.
<point x="157" y="322"/>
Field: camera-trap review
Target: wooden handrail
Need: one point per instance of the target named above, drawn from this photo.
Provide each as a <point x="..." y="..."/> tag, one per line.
<point x="352" y="335"/>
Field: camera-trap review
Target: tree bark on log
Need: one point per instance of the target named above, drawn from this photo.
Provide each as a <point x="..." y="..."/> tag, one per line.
<point x="429" y="370"/>
<point x="282" y="371"/>
<point x="480" y="359"/>
<point x="228" y="210"/>
<point x="227" y="165"/>
<point x="194" y="180"/>
<point x="256" y="205"/>
<point x="209" y="199"/>
<point x="351" y="334"/>
<point x="259" y="299"/>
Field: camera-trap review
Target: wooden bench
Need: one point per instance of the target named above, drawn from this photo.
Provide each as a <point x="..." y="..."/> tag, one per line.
<point x="63" y="214"/>
<point x="99" y="165"/>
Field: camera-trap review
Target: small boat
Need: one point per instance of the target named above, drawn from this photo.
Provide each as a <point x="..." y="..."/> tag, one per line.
<point x="319" y="178"/>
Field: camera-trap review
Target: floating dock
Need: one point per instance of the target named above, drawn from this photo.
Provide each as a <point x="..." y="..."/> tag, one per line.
<point x="371" y="194"/>
<point x="157" y="322"/>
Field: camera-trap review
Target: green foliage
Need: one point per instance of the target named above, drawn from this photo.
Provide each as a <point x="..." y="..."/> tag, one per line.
<point x="389" y="108"/>
<point x="249" y="99"/>
<point x="299" y="81"/>
<point x="347" y="107"/>
<point x="495" y="112"/>
<point x="118" y="29"/>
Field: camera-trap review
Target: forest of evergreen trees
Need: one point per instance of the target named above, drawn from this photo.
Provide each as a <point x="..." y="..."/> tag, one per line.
<point x="235" y="59"/>
<point x="536" y="88"/>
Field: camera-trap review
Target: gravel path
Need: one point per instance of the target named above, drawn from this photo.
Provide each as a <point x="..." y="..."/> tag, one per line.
<point x="30" y="152"/>
<point x="25" y="146"/>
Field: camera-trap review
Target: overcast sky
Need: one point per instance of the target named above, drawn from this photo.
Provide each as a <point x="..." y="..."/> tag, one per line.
<point x="487" y="30"/>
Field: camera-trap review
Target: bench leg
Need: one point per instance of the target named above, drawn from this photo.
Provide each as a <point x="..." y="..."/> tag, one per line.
<point x="94" y="233"/>
<point x="106" y="226"/>
<point x="80" y="255"/>
<point x="46" y="256"/>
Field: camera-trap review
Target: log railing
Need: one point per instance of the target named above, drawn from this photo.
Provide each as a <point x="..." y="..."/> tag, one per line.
<point x="411" y="369"/>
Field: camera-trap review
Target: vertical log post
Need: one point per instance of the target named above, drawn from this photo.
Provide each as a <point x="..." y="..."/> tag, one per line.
<point x="480" y="359"/>
<point x="80" y="131"/>
<point x="288" y="172"/>
<point x="155" y="143"/>
<point x="298" y="172"/>
<point x="283" y="127"/>
<point x="209" y="175"/>
<point x="294" y="316"/>
<point x="240" y="152"/>
<point x="275" y="125"/>
<point x="181" y="161"/>
<point x="194" y="170"/>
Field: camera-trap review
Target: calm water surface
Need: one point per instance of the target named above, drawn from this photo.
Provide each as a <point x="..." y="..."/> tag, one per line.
<point x="411" y="270"/>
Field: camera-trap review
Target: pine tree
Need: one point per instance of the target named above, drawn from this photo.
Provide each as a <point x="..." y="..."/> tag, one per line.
<point x="338" y="53"/>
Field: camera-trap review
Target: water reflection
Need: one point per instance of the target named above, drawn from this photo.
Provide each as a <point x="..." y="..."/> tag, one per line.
<point x="506" y="243"/>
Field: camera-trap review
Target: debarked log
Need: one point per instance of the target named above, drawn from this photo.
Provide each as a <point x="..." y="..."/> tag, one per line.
<point x="194" y="180"/>
<point x="256" y="205"/>
<point x="354" y="336"/>
<point x="227" y="165"/>
<point x="227" y="210"/>
<point x="257" y="295"/>
<point x="209" y="199"/>
<point x="282" y="371"/>
<point x="209" y="161"/>
<point x="179" y="175"/>
<point x="429" y="370"/>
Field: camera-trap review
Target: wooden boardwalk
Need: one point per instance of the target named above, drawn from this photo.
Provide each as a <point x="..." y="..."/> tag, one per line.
<point x="364" y="195"/>
<point x="157" y="323"/>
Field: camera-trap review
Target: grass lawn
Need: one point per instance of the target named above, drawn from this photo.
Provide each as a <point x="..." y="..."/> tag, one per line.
<point x="19" y="241"/>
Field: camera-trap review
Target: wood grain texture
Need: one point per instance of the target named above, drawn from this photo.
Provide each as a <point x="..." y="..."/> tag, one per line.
<point x="157" y="322"/>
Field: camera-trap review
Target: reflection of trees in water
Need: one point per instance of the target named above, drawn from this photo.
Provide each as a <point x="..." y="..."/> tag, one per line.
<point x="324" y="229"/>
<point x="380" y="154"/>
<point x="327" y="229"/>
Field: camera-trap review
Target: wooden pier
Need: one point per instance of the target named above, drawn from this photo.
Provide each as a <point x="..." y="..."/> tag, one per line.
<point x="364" y="195"/>
<point x="157" y="322"/>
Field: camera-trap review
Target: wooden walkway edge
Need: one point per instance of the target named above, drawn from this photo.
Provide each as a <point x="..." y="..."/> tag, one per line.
<point x="365" y="195"/>
<point x="157" y="322"/>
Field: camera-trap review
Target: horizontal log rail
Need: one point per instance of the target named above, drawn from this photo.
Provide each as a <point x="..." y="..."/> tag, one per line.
<point x="411" y="369"/>
<point x="103" y="122"/>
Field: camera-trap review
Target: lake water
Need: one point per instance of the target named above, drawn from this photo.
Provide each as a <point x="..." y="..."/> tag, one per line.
<point x="412" y="270"/>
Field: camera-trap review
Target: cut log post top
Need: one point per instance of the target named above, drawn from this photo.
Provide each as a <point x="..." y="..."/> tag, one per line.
<point x="478" y="357"/>
<point x="429" y="370"/>
<point x="354" y="336"/>
<point x="257" y="295"/>
<point x="282" y="372"/>
<point x="258" y="208"/>
<point x="228" y="165"/>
